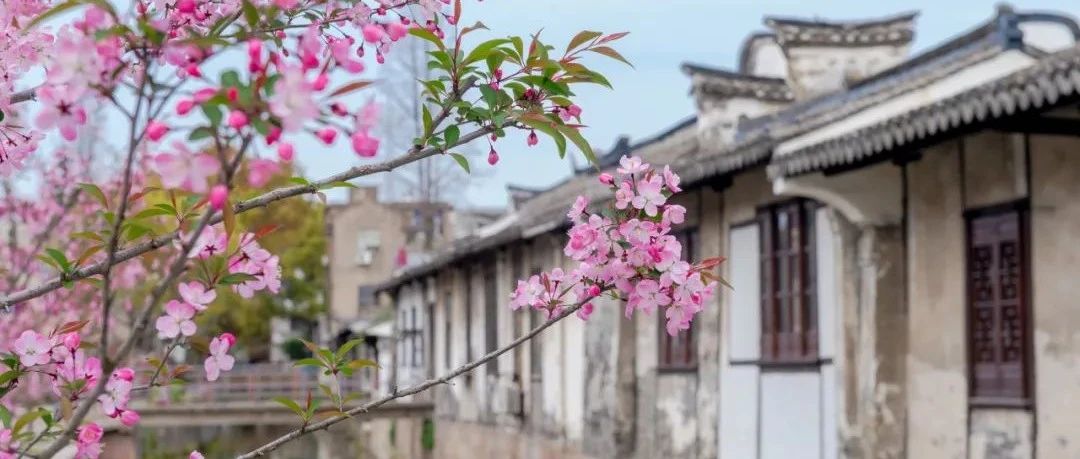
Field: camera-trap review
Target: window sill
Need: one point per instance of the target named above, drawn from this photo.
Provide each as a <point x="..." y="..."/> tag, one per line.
<point x="1000" y="402"/>
<point x="676" y="369"/>
<point x="784" y="365"/>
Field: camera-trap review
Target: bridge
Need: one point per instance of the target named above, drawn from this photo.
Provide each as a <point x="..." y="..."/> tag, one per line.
<point x="244" y="396"/>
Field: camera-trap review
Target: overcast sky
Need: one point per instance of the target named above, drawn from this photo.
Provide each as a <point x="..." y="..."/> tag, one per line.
<point x="653" y="95"/>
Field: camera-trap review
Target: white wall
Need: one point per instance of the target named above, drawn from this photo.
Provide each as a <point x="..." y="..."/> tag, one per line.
<point x="790" y="415"/>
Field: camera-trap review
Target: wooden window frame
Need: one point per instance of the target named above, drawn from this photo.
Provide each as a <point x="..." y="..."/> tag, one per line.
<point x="789" y="310"/>
<point x="685" y="343"/>
<point x="984" y="390"/>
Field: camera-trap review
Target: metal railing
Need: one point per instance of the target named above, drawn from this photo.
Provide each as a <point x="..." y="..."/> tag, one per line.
<point x="257" y="382"/>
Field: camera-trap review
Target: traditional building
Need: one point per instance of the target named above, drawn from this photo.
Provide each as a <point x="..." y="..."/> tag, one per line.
<point x="900" y="236"/>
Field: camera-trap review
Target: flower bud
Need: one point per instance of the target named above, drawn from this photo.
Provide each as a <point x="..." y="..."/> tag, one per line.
<point x="184" y="107"/>
<point x="320" y="82"/>
<point x="606" y="179"/>
<point x="232" y="94"/>
<point x="129" y="418"/>
<point x="228" y="338"/>
<point x="155" y="130"/>
<point x="127" y="374"/>
<point x="533" y="139"/>
<point x="285" y="151"/>
<point x="365" y="145"/>
<point x="237" y="119"/>
<point x="273" y="135"/>
<point x="219" y="194"/>
<point x="327" y="135"/>
<point x="594" y="291"/>
<point x="493" y="156"/>
<point x="204" y="94"/>
<point x="72" y="341"/>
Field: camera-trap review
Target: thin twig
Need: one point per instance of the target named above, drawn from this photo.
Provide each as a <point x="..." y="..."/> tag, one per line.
<point x="444" y="379"/>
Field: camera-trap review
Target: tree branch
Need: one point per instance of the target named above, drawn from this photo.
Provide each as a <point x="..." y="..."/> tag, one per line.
<point x="263" y="200"/>
<point x="444" y="379"/>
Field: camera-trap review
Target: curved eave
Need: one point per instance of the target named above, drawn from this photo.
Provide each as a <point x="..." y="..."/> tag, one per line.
<point x="1053" y="81"/>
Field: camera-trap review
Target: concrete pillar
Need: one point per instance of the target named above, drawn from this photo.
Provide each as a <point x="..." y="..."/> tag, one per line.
<point x="712" y="233"/>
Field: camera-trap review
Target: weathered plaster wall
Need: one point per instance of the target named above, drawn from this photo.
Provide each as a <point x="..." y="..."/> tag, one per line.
<point x="465" y="440"/>
<point x="1001" y="433"/>
<point x="936" y="366"/>
<point x="712" y="235"/>
<point x="1055" y="252"/>
<point x="994" y="169"/>
<point x="815" y="70"/>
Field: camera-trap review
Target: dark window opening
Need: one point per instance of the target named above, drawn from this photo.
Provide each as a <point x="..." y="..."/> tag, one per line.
<point x="491" y="322"/>
<point x="789" y="331"/>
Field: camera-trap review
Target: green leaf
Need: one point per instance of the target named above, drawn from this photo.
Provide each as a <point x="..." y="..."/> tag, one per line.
<point x="309" y="362"/>
<point x="25" y="420"/>
<point x="5" y="416"/>
<point x="299" y="180"/>
<point x="610" y="52"/>
<point x="8" y="376"/>
<point x="292" y="405"/>
<point x="582" y="37"/>
<point x="251" y="15"/>
<point x="345" y="348"/>
<point x="451" y="135"/>
<point x="575" y="136"/>
<point x="426" y="34"/>
<point x="230" y="77"/>
<point x="362" y="363"/>
<point x="481" y="51"/>
<point x="213" y="113"/>
<point x="199" y="133"/>
<point x="59" y="257"/>
<point x="236" y="278"/>
<point x="152" y="212"/>
<point x="53" y="12"/>
<point x="427" y="120"/>
<point x="462" y="161"/>
<point x="337" y="185"/>
<point x="491" y="97"/>
<point x="95" y="191"/>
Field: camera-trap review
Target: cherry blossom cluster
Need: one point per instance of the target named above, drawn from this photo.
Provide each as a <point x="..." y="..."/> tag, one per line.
<point x="73" y="373"/>
<point x="628" y="250"/>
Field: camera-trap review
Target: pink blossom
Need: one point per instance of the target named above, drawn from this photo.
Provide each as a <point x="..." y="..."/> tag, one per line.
<point x="631" y="165"/>
<point x="185" y="170"/>
<point x="568" y="113"/>
<point x="176" y="321"/>
<point x="196" y="454"/>
<point x="293" y="101"/>
<point x="219" y="360"/>
<point x="196" y="294"/>
<point x="623" y="195"/>
<point x="88" y="441"/>
<point x="585" y="311"/>
<point x="674" y="215"/>
<point x="32" y="348"/>
<point x="129" y="418"/>
<point x="649" y="195"/>
<point x="260" y="171"/>
<point x="671" y="180"/>
<point x="60" y="109"/>
<point x="577" y="209"/>
<point x="212" y="241"/>
<point x="364" y="144"/>
<point x="396" y="30"/>
<point x="373" y="33"/>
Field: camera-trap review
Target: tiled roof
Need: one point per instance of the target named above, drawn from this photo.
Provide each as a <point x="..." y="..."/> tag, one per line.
<point x="897" y="29"/>
<point x="1053" y="80"/>
<point x="726" y="84"/>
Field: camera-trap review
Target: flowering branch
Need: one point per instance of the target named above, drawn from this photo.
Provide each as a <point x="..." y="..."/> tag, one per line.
<point x="263" y="200"/>
<point x="411" y="390"/>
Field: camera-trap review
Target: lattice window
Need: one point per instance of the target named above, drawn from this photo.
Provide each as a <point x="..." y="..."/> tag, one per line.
<point x="997" y="286"/>
<point x="788" y="282"/>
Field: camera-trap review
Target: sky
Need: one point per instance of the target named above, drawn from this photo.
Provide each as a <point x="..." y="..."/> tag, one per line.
<point x="653" y="95"/>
